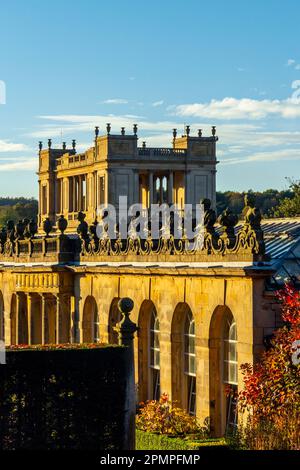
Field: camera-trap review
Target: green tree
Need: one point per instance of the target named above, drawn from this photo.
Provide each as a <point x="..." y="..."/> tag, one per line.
<point x="290" y="207"/>
<point x="23" y="208"/>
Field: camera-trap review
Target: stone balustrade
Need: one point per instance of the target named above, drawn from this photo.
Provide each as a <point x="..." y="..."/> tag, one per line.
<point x="18" y="243"/>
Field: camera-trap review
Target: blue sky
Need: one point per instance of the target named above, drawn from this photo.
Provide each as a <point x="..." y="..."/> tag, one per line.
<point x="70" y="65"/>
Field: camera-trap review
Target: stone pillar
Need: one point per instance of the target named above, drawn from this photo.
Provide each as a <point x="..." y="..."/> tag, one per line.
<point x="126" y="329"/>
<point x="187" y="188"/>
<point x="170" y="188"/>
<point x="85" y="185"/>
<point x="74" y="194"/>
<point x="61" y="195"/>
<point x="43" y="314"/>
<point x="17" y="316"/>
<point x="203" y="366"/>
<point x="57" y="319"/>
<point x="96" y="189"/>
<point x="29" y="315"/>
<point x="136" y="189"/>
<point x="161" y="190"/>
<point x="79" y="196"/>
<point x="77" y="323"/>
<point x="150" y="189"/>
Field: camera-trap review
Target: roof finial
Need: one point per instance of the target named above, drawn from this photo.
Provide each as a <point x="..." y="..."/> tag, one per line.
<point x="213" y="130"/>
<point x="123" y="130"/>
<point x="187" y="130"/>
<point x="135" y="129"/>
<point x="199" y="132"/>
<point x="40" y="145"/>
<point x="174" y="133"/>
<point x="74" y="144"/>
<point x="96" y="131"/>
<point x="108" y="128"/>
<point x="49" y="143"/>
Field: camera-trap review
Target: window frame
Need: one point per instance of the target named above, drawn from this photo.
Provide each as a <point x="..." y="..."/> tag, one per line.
<point x="190" y="353"/>
<point x="154" y="351"/>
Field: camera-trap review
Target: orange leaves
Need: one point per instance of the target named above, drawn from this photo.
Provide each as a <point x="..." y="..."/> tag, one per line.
<point x="272" y="387"/>
<point x="164" y="417"/>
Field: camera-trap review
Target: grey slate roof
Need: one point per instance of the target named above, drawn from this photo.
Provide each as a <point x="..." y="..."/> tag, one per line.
<point x="282" y="239"/>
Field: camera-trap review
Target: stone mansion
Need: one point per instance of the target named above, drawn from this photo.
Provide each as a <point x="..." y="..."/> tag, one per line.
<point x="201" y="311"/>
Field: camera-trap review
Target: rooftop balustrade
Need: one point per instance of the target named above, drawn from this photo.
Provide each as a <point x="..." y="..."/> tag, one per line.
<point x="18" y="243"/>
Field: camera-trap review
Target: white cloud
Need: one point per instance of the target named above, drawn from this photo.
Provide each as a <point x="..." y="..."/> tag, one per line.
<point x="115" y="101"/>
<point x="158" y="103"/>
<point x="279" y="155"/>
<point x="245" y="108"/>
<point x="22" y="165"/>
<point x="6" y="146"/>
<point x="290" y="62"/>
<point x="73" y="124"/>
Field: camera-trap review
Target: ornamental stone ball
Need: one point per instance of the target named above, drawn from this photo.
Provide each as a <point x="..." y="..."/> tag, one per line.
<point x="125" y="304"/>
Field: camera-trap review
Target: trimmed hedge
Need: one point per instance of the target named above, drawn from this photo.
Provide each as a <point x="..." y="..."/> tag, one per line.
<point x="150" y="441"/>
<point x="65" y="398"/>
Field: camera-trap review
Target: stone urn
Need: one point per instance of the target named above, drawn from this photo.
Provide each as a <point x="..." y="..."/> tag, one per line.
<point x="62" y="224"/>
<point x="83" y="227"/>
<point x="47" y="226"/>
<point x="26" y="228"/>
<point x="32" y="228"/>
<point x="19" y="230"/>
<point x="3" y="235"/>
<point x="10" y="227"/>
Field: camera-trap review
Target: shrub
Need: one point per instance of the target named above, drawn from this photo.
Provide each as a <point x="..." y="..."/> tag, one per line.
<point x="272" y="387"/>
<point x="150" y="441"/>
<point x="163" y="417"/>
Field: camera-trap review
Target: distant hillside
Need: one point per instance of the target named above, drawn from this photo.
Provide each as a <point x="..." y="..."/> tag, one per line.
<point x="17" y="208"/>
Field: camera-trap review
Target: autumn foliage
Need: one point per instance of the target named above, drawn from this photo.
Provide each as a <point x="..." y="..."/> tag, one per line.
<point x="272" y="386"/>
<point x="163" y="417"/>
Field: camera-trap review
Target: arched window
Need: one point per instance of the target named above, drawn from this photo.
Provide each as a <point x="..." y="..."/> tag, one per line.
<point x="190" y="363"/>
<point x="230" y="353"/>
<point x="154" y="355"/>
<point x="230" y="371"/>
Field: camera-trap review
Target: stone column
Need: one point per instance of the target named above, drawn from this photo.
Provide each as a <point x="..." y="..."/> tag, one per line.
<point x="150" y="189"/>
<point x="69" y="195"/>
<point x="17" y="316"/>
<point x="74" y="194"/>
<point x="79" y="196"/>
<point x="187" y="188"/>
<point x="85" y="181"/>
<point x="43" y="313"/>
<point x="29" y="315"/>
<point x="136" y="187"/>
<point x="96" y="189"/>
<point x="57" y="319"/>
<point x="171" y="188"/>
<point x="65" y="193"/>
<point x="126" y="329"/>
